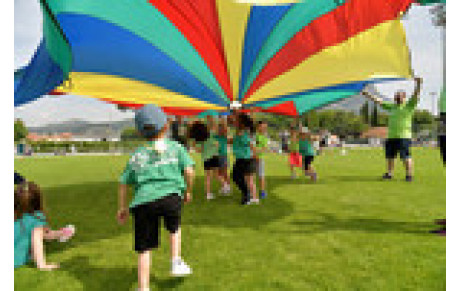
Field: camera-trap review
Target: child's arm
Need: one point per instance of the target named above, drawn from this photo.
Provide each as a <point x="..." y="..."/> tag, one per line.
<point x="189" y="177"/>
<point x="38" y="251"/>
<point x="122" y="214"/>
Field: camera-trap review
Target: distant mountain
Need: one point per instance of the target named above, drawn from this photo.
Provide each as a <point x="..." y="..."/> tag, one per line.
<point x="352" y="104"/>
<point x="80" y="127"/>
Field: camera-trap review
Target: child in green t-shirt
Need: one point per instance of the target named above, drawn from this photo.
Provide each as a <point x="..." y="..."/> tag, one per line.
<point x="244" y="166"/>
<point x="208" y="145"/>
<point x="261" y="148"/>
<point x="222" y="137"/>
<point x="307" y="152"/>
<point x="31" y="228"/>
<point x="156" y="171"/>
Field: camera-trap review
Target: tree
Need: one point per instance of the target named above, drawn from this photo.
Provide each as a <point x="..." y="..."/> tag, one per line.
<point x="439" y="15"/>
<point x="423" y="120"/>
<point x="364" y="112"/>
<point x="130" y="133"/>
<point x="20" y="130"/>
<point x="375" y="116"/>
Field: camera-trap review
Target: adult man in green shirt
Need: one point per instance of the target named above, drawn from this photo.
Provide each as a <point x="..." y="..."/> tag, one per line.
<point x="399" y="128"/>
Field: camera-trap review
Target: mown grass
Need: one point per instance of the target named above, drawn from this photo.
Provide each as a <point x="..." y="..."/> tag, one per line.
<point x="349" y="231"/>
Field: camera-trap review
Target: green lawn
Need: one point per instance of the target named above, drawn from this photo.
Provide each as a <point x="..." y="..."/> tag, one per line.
<point x="349" y="231"/>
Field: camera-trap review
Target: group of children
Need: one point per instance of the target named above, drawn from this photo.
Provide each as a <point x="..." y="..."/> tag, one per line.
<point x="161" y="173"/>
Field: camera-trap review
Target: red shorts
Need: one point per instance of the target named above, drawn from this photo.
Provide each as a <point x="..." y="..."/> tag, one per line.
<point x="295" y="159"/>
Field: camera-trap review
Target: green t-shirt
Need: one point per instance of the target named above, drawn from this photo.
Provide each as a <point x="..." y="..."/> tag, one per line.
<point x="155" y="175"/>
<point x="223" y="144"/>
<point x="400" y="118"/>
<point x="442" y="101"/>
<point x="242" y="146"/>
<point x="210" y="148"/>
<point x="305" y="148"/>
<point x="261" y="143"/>
<point x="23" y="236"/>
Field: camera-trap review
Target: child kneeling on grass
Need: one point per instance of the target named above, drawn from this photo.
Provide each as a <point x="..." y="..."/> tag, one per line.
<point x="30" y="228"/>
<point x="308" y="153"/>
<point x="156" y="171"/>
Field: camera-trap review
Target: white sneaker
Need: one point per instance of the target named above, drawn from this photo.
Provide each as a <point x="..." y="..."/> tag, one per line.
<point x="226" y="190"/>
<point x="68" y="233"/>
<point x="254" y="201"/>
<point x="180" y="268"/>
<point x="209" y="196"/>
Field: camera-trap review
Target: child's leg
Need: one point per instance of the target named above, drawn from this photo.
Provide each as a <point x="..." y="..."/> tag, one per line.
<point x="219" y="177"/>
<point x="239" y="179"/>
<point x="261" y="174"/>
<point x="143" y="270"/>
<point x="252" y="186"/>
<point x="208" y="181"/>
<point x="175" y="241"/>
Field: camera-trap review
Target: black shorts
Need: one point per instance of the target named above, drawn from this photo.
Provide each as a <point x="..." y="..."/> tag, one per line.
<point x="442" y="147"/>
<point x="211" y="163"/>
<point x="223" y="162"/>
<point x="246" y="166"/>
<point x="285" y="148"/>
<point x="393" y="146"/>
<point x="147" y="221"/>
<point x="307" y="160"/>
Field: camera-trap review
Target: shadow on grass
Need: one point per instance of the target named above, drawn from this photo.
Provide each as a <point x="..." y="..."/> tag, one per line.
<point x="116" y="278"/>
<point x="329" y="222"/>
<point x="100" y="278"/>
<point x="92" y="209"/>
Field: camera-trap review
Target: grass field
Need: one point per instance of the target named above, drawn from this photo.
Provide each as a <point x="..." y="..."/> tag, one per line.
<point x="349" y="231"/>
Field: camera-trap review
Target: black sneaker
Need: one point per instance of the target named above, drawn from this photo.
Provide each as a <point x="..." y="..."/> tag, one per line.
<point x="387" y="176"/>
<point x="409" y="178"/>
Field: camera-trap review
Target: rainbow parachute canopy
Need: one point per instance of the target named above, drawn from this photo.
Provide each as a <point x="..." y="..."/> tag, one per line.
<point x="191" y="56"/>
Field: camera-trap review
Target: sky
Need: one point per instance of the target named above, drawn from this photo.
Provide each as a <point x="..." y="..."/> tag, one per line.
<point x="424" y="40"/>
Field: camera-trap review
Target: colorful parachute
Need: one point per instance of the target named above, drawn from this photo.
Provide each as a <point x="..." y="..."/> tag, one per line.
<point x="190" y="56"/>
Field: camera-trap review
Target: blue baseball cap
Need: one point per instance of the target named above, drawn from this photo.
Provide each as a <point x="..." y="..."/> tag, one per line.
<point x="151" y="116"/>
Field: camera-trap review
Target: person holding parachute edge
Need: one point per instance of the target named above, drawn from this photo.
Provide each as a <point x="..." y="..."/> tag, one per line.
<point x="399" y="128"/>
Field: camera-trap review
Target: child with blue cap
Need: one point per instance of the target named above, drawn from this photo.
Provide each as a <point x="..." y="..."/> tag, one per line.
<point x="160" y="172"/>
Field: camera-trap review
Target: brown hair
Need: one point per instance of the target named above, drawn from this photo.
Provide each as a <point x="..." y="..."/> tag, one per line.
<point x="27" y="199"/>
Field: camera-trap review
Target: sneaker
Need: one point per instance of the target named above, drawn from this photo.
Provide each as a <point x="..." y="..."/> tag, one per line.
<point x="387" y="176"/>
<point x="180" y="269"/>
<point x="67" y="233"/>
<point x="314" y="177"/>
<point x="209" y="196"/>
<point x="409" y="178"/>
<point x="293" y="176"/>
<point x="262" y="194"/>
<point x="225" y="190"/>
<point x="441" y="232"/>
<point x="440" y="222"/>
<point x="254" y="201"/>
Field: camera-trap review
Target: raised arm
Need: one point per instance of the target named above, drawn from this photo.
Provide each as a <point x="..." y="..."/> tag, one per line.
<point x="189" y="178"/>
<point x="372" y="97"/>
<point x="418" y="87"/>
<point x="122" y="214"/>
